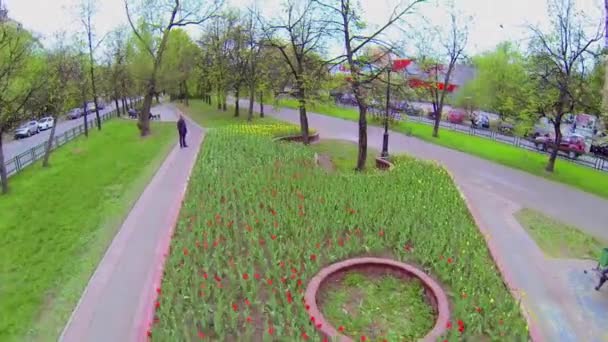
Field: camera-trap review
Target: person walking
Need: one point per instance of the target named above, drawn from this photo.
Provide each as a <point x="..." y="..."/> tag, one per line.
<point x="182" y="130"/>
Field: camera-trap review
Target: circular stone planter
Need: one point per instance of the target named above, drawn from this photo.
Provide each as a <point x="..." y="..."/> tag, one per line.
<point x="435" y="293"/>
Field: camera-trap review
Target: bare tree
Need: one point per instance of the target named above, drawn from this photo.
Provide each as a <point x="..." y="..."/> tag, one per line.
<point x="157" y="18"/>
<point x="438" y="64"/>
<point x="87" y="10"/>
<point x="559" y="64"/>
<point x="345" y="18"/>
<point x="299" y="34"/>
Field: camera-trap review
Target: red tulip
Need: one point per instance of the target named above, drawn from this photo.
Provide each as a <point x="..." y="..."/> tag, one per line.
<point x="245" y="276"/>
<point x="341" y="329"/>
<point x="185" y="251"/>
<point x="235" y="307"/>
<point x="313" y="257"/>
<point x="304" y="335"/>
<point x="201" y="335"/>
<point x="256" y="276"/>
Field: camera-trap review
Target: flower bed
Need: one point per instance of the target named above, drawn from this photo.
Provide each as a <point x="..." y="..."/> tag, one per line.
<point x="260" y="220"/>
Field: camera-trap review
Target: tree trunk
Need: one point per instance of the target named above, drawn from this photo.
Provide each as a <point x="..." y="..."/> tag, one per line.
<point x="49" y="145"/>
<point x="261" y="104"/>
<point x="555" y="149"/>
<point x="224" y="105"/>
<point x="116" y="103"/>
<point x="144" y="116"/>
<point x="86" y="121"/>
<point x="362" y="156"/>
<point x="3" y="175"/>
<point x="436" y="123"/>
<point x="304" y="120"/>
<point x="158" y="100"/>
<point x="236" y="103"/>
<point x="251" y="102"/>
<point x="186" y="93"/>
<point x="97" y="117"/>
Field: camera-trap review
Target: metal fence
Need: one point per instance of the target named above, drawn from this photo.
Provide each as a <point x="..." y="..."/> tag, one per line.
<point x="587" y="160"/>
<point x="21" y="161"/>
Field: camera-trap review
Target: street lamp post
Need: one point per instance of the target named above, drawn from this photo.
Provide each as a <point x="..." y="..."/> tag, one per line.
<point x="384" y="154"/>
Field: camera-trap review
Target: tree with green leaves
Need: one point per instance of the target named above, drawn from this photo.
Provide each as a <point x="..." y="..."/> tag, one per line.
<point x="559" y="63"/>
<point x="178" y="65"/>
<point x="62" y="68"/>
<point x="87" y="9"/>
<point x="21" y="69"/>
<point x="298" y="35"/>
<point x="156" y="19"/>
<point x="500" y="82"/>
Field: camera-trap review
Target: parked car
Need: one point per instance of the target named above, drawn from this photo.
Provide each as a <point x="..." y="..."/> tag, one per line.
<point x="46" y="123"/>
<point x="75" y="113"/>
<point x="600" y="150"/>
<point x="573" y="145"/>
<point x="91" y="107"/>
<point x="480" y="121"/>
<point x="26" y="130"/>
<point x="456" y="116"/>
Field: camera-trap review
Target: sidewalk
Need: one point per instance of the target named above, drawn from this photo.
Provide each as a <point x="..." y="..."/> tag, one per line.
<point x="559" y="297"/>
<point x="117" y="303"/>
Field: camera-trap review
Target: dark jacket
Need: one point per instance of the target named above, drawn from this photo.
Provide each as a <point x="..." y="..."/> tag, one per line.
<point x="181" y="126"/>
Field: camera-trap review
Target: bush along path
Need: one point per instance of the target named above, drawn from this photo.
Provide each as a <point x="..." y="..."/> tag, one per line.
<point x="119" y="296"/>
<point x="560" y="299"/>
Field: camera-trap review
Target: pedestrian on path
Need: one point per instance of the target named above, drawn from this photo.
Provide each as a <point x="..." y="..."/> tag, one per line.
<point x="182" y="130"/>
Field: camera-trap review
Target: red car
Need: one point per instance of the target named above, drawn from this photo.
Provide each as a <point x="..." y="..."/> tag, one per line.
<point x="572" y="145"/>
<point x="456" y="116"/>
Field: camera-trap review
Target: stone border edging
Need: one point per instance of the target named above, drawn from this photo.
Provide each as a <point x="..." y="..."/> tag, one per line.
<point x="310" y="296"/>
<point x="163" y="249"/>
<point x="533" y="329"/>
<point x="298" y="138"/>
<point x="384" y="164"/>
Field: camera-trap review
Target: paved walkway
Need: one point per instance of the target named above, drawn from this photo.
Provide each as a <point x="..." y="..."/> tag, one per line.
<point x="557" y="294"/>
<point x="117" y="303"/>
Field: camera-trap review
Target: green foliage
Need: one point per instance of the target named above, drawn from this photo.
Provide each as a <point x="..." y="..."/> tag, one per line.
<point x="49" y="246"/>
<point x="378" y="307"/>
<point x="581" y="177"/>
<point x="559" y="240"/>
<point x="260" y="220"/>
<point x="179" y="61"/>
<point x="501" y="82"/>
<point x="21" y="68"/>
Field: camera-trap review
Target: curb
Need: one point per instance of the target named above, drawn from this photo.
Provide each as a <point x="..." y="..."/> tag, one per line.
<point x="441" y="303"/>
<point x="533" y="329"/>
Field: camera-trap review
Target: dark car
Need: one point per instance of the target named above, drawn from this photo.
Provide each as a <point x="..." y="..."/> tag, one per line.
<point x="600" y="150"/>
<point x="480" y="121"/>
<point x="572" y="145"/>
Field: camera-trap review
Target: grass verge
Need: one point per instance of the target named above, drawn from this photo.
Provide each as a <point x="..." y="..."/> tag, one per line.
<point x="378" y="307"/>
<point x="343" y="154"/>
<point x="260" y="219"/>
<point x="583" y="178"/>
<point x="559" y="240"/>
<point x="57" y="223"/>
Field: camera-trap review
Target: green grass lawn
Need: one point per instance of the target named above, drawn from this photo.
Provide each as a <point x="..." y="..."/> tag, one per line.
<point x="260" y="219"/>
<point x="343" y="154"/>
<point x="57" y="223"/>
<point x="559" y="240"/>
<point x="580" y="177"/>
<point x="378" y="307"/>
<point x="209" y="116"/>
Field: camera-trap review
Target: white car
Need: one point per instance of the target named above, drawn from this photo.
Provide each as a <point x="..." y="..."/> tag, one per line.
<point x="46" y="123"/>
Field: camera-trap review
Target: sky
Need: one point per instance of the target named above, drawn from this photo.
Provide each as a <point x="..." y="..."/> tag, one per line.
<point x="491" y="22"/>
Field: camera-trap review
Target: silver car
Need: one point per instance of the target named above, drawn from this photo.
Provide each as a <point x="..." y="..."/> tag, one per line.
<point x="26" y="130"/>
<point x="74" y="113"/>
